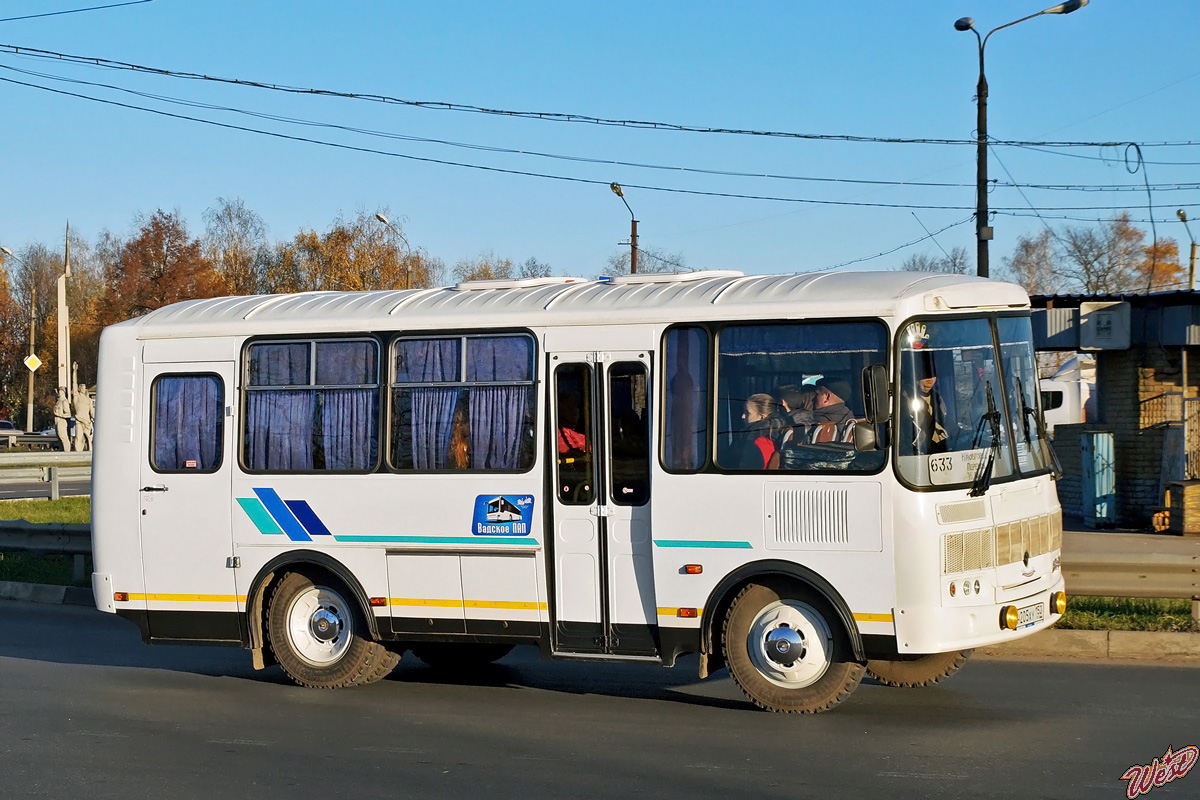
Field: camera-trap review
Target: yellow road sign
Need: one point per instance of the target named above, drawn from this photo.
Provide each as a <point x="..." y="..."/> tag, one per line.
<point x="33" y="362"/>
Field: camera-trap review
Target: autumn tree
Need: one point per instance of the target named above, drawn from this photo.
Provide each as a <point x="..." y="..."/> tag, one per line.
<point x="1033" y="264"/>
<point x="353" y="255"/>
<point x="13" y="348"/>
<point x="955" y="262"/>
<point x="1113" y="258"/>
<point x="486" y="267"/>
<point x="161" y="264"/>
<point x="235" y="241"/>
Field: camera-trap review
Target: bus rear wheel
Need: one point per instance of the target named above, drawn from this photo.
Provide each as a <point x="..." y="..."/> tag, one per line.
<point x="920" y="671"/>
<point x="315" y="635"/>
<point x="785" y="653"/>
<point x="459" y="657"/>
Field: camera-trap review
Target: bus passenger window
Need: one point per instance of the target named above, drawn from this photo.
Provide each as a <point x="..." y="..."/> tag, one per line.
<point x="629" y="426"/>
<point x="573" y="431"/>
<point x="188" y="430"/>
<point x="463" y="403"/>
<point x="685" y="423"/>
<point x="312" y="405"/>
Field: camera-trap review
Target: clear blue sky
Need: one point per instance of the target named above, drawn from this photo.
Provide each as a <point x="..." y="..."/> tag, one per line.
<point x="1117" y="70"/>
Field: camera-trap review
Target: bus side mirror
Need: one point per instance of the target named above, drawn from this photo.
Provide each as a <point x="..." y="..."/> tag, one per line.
<point x="877" y="401"/>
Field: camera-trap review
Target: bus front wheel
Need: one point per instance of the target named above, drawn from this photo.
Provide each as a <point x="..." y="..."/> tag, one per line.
<point x="784" y="651"/>
<point x="919" y="671"/>
<point x="315" y="635"/>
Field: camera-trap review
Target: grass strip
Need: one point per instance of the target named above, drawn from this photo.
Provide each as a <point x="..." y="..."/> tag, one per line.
<point x="1126" y="614"/>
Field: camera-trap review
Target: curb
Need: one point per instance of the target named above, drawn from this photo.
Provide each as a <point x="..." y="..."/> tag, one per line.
<point x="45" y="593"/>
<point x="1126" y="645"/>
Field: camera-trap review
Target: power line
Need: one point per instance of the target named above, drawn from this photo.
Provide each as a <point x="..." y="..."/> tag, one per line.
<point x="76" y="10"/>
<point x="527" y="173"/>
<point x="894" y="249"/>
<point x="1191" y="186"/>
<point x="549" y="116"/>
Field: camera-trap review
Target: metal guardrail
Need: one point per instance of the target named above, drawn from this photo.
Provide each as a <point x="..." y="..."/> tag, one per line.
<point x="46" y="466"/>
<point x="46" y="538"/>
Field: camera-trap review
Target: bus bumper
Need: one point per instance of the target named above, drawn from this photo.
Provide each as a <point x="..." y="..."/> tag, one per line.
<point x="941" y="629"/>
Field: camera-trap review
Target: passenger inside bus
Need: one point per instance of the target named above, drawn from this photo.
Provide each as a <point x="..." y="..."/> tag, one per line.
<point x="764" y="433"/>
<point x="923" y="427"/>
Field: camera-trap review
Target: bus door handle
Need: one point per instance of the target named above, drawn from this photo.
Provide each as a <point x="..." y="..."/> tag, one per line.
<point x="600" y="511"/>
<point x="158" y="488"/>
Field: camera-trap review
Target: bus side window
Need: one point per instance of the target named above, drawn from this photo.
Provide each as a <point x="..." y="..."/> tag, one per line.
<point x="188" y="412"/>
<point x="573" y="432"/>
<point x="629" y="423"/>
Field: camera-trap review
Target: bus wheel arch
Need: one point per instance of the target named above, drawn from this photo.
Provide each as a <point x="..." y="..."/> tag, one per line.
<point x="771" y="572"/>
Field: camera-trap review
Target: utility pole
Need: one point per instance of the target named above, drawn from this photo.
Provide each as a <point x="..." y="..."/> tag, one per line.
<point x="616" y="189"/>
<point x="64" y="326"/>
<point x="32" y="325"/>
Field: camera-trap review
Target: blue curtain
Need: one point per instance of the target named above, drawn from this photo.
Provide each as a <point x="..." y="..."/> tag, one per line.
<point x="279" y="364"/>
<point x="279" y="429"/>
<point x="346" y="363"/>
<point x="427" y="360"/>
<point x="432" y="425"/>
<point x="497" y="422"/>
<point x="188" y="423"/>
<point x="686" y="427"/>
<point x="499" y="359"/>
<point x="349" y="425"/>
<point x="811" y="337"/>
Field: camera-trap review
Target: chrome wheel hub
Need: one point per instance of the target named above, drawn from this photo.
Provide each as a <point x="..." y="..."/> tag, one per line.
<point x="790" y="644"/>
<point x="320" y="626"/>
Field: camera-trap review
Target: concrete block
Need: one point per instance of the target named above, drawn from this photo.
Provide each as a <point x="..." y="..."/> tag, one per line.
<point x="32" y="592"/>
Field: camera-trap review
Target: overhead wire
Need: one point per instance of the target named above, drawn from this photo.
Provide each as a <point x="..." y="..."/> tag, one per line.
<point x="550" y="116"/>
<point x="76" y="10"/>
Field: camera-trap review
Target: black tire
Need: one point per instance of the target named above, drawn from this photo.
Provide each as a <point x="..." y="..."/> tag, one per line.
<point x="821" y="672"/>
<point x="927" y="670"/>
<point x="452" y="657"/>
<point x="315" y="634"/>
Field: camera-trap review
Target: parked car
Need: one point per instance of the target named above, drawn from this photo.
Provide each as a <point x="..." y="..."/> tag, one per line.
<point x="9" y="433"/>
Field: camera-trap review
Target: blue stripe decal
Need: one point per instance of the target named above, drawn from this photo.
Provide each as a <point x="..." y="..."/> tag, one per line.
<point x="259" y="516"/>
<point x="699" y="543"/>
<point x="472" y="540"/>
<point x="307" y="517"/>
<point x="277" y="509"/>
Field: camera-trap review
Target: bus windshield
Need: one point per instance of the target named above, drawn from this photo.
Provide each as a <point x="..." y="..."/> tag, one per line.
<point x="950" y="429"/>
<point x="1020" y="370"/>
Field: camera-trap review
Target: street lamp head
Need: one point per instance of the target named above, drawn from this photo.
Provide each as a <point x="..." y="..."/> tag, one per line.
<point x="1180" y="213"/>
<point x="964" y="24"/>
<point x="8" y="252"/>
<point x="616" y="189"/>
<point x="382" y="219"/>
<point x="1066" y="8"/>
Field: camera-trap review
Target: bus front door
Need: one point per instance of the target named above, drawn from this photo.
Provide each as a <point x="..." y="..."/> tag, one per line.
<point x="185" y="504"/>
<point x="602" y="578"/>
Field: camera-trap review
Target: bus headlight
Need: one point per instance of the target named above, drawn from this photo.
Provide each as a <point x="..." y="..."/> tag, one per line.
<point x="1058" y="603"/>
<point x="1008" y="618"/>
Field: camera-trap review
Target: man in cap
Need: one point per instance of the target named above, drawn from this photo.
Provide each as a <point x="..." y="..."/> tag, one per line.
<point x="832" y="393"/>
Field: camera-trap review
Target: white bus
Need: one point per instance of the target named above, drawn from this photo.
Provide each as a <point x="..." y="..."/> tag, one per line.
<point x="331" y="479"/>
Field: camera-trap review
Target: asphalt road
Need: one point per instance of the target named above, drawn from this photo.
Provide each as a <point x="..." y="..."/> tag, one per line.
<point x="18" y="490"/>
<point x="87" y="711"/>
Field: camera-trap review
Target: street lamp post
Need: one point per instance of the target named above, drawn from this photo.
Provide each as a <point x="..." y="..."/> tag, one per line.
<point x="983" y="232"/>
<point x="1192" y="261"/>
<point x="32" y="327"/>
<point x="616" y="188"/>
<point x="407" y="261"/>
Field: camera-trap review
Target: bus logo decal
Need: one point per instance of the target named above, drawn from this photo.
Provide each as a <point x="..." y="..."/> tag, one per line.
<point x="502" y="515"/>
<point x="273" y="515"/>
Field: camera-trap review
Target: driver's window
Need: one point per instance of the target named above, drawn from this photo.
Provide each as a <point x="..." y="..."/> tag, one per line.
<point x="574" y="434"/>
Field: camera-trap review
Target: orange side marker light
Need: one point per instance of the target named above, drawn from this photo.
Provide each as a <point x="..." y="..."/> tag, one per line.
<point x="693" y="569"/>
<point x="687" y="612"/>
<point x="121" y="597"/>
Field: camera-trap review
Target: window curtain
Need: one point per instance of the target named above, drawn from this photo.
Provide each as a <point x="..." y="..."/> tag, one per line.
<point x="349" y="421"/>
<point x="279" y="428"/>
<point x="346" y="363"/>
<point x="279" y="365"/>
<point x="187" y="423"/>
<point x="432" y="425"/>
<point x="497" y="420"/>
<point x="427" y="360"/>
<point x="499" y="359"/>
<point x="686" y="398"/>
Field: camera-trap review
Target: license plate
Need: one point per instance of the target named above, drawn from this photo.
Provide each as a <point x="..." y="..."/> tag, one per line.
<point x="1030" y="614"/>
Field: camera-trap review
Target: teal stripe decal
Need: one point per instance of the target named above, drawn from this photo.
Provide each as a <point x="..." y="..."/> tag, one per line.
<point x="439" y="539"/>
<point x="258" y="515"/>
<point x="698" y="543"/>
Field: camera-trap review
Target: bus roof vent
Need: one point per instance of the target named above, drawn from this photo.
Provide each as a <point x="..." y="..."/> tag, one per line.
<point x="515" y="283"/>
<point x="674" y="277"/>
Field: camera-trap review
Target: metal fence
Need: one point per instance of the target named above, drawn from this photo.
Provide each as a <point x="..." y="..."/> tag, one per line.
<point x="47" y="466"/>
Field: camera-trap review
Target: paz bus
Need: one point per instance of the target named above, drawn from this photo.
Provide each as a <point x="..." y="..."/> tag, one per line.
<point x="331" y="479"/>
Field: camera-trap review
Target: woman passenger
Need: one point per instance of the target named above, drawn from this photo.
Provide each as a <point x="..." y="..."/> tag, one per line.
<point x="764" y="430"/>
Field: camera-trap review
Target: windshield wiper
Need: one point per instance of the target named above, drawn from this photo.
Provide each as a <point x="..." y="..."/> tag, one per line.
<point x="983" y="473"/>
<point x="1043" y="437"/>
